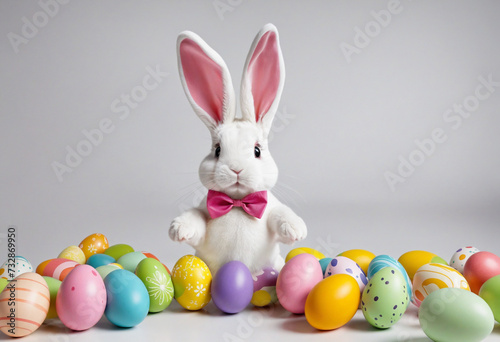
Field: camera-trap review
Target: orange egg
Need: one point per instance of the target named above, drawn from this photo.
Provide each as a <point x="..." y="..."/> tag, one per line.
<point x="332" y="302"/>
<point x="94" y="244"/>
<point x="24" y="304"/>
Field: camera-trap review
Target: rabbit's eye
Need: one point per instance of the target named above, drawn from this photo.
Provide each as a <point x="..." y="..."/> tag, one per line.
<point x="217" y="152"/>
<point x="257" y="152"/>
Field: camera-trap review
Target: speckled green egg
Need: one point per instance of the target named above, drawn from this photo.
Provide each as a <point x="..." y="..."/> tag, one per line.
<point x="385" y="298"/>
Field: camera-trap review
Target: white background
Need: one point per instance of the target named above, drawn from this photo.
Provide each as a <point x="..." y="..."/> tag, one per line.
<point x="343" y="123"/>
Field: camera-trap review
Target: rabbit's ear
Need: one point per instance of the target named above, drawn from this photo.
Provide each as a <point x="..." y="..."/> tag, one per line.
<point x="263" y="78"/>
<point x="206" y="80"/>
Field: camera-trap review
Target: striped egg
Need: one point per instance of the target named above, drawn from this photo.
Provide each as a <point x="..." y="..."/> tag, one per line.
<point x="24" y="304"/>
<point x="56" y="268"/>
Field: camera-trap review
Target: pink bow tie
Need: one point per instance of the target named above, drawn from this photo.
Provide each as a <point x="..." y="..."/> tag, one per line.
<point x="219" y="204"/>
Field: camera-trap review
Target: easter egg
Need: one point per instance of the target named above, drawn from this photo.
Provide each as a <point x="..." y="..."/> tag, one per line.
<point x="74" y="253"/>
<point x="24" y="304"/>
<point x="3" y="283"/>
<point x="14" y="267"/>
<point x="192" y="281"/>
<point x="297" y="278"/>
<point x="264" y="287"/>
<point x="413" y="260"/>
<point x="332" y="302"/>
<point x="232" y="287"/>
<point x="57" y="268"/>
<point x="381" y="261"/>
<point x="118" y="250"/>
<point x="449" y="315"/>
<point x="490" y="292"/>
<point x="317" y="254"/>
<point x="127" y="299"/>
<point x="81" y="299"/>
<point x="158" y="283"/>
<point x="461" y="256"/>
<point x="480" y="267"/>
<point x="107" y="269"/>
<point x="150" y="255"/>
<point x="97" y="260"/>
<point x="432" y="277"/>
<point x="93" y="244"/>
<point x="130" y="261"/>
<point x="344" y="265"/>
<point x="324" y="264"/>
<point x="385" y="298"/>
<point x="54" y="285"/>
<point x="360" y="257"/>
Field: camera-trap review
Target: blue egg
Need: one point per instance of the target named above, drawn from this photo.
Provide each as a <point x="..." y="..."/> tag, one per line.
<point x="382" y="261"/>
<point x="324" y="264"/>
<point x="127" y="299"/>
<point x="97" y="260"/>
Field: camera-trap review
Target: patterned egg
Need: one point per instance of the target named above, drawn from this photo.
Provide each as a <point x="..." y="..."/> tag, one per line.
<point x="192" y="281"/>
<point x="264" y="287"/>
<point x="81" y="299"/>
<point x="413" y="260"/>
<point x="360" y="256"/>
<point x="15" y="267"/>
<point x="54" y="285"/>
<point x="381" y="261"/>
<point x="432" y="277"/>
<point x="104" y="270"/>
<point x="296" y="251"/>
<point x="297" y="278"/>
<point x="74" y="253"/>
<point x="24" y="304"/>
<point x="56" y="268"/>
<point x="130" y="261"/>
<point x="344" y="265"/>
<point x="451" y="314"/>
<point x="93" y="244"/>
<point x="119" y="250"/>
<point x="158" y="283"/>
<point x="97" y="260"/>
<point x="385" y="298"/>
<point x="461" y="256"/>
<point x="332" y="302"/>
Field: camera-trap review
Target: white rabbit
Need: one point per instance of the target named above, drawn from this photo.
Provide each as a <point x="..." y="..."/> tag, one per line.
<point x="239" y="162"/>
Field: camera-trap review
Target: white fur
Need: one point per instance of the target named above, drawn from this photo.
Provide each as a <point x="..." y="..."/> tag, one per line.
<point x="237" y="172"/>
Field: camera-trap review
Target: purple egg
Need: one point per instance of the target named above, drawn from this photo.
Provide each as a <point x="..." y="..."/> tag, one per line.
<point x="267" y="277"/>
<point x="232" y="287"/>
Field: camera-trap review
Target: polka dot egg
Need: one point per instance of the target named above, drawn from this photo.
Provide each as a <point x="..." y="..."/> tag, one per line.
<point x="385" y="298"/>
<point x="461" y="256"/>
<point x="344" y="265"/>
<point x="15" y="267"/>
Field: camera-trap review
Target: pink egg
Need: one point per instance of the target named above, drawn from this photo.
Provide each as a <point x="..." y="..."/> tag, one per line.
<point x="81" y="299"/>
<point x="480" y="267"/>
<point x="297" y="278"/>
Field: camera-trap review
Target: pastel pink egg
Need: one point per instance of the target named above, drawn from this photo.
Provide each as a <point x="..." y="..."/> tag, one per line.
<point x="297" y="278"/>
<point x="81" y="299"/>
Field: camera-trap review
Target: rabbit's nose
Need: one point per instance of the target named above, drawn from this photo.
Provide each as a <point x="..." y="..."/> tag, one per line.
<point x="237" y="172"/>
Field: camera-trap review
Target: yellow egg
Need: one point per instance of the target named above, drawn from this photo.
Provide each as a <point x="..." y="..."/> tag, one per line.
<point x="332" y="302"/>
<point x="318" y="255"/>
<point x="360" y="256"/>
<point x="413" y="260"/>
<point x="93" y="244"/>
<point x="192" y="280"/>
<point x="74" y="253"/>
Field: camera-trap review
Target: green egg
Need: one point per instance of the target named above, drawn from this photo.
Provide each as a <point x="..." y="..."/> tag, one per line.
<point x="106" y="269"/>
<point x="119" y="250"/>
<point x="385" y="298"/>
<point x="3" y="283"/>
<point x="158" y="283"/>
<point x="490" y="292"/>
<point x="452" y="314"/>
<point x="130" y="261"/>
<point x="54" y="285"/>
<point x="438" y="260"/>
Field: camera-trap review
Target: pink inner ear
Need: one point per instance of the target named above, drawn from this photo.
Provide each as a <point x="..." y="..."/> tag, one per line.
<point x="203" y="78"/>
<point x="264" y="71"/>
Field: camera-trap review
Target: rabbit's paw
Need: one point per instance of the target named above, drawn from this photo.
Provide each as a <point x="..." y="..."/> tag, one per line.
<point x="292" y="229"/>
<point x="188" y="227"/>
